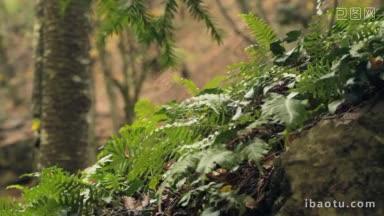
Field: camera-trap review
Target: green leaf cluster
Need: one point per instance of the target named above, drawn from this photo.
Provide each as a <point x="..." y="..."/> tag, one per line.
<point x="149" y="28"/>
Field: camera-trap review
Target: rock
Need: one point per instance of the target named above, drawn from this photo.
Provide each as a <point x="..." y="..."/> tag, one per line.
<point x="16" y="159"/>
<point x="340" y="159"/>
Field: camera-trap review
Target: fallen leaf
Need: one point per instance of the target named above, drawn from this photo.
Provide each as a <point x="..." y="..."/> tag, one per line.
<point x="129" y="202"/>
<point x="226" y="189"/>
<point x="250" y="203"/>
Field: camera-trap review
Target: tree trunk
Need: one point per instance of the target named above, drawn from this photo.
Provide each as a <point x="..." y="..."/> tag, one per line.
<point x="37" y="92"/>
<point x="129" y="108"/>
<point x="233" y="24"/>
<point x="66" y="102"/>
<point x="7" y="72"/>
<point x="38" y="58"/>
<point x="107" y="73"/>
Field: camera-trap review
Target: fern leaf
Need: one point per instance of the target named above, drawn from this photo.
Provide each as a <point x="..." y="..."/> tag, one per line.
<point x="256" y="150"/>
<point x="199" y="11"/>
<point x="189" y="85"/>
<point x="214" y="157"/>
<point x="261" y="31"/>
<point x="287" y="110"/>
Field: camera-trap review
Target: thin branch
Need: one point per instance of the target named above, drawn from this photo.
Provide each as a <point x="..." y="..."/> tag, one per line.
<point x="232" y="22"/>
<point x="333" y="18"/>
<point x="143" y="75"/>
<point x="123" y="52"/>
<point x="108" y="84"/>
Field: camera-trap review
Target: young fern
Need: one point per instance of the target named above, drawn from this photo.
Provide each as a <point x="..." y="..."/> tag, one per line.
<point x="263" y="35"/>
<point x="261" y="31"/>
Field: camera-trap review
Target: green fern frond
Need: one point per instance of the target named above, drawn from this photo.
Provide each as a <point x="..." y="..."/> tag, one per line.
<point x="260" y="30"/>
<point x="286" y="110"/>
<point x="200" y="12"/>
<point x="189" y="85"/>
<point x="116" y="16"/>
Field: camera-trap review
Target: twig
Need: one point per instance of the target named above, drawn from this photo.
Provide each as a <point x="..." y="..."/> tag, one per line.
<point x="333" y="18"/>
<point x="232" y="23"/>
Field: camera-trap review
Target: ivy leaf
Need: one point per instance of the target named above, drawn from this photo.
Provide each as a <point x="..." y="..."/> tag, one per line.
<point x="356" y="48"/>
<point x="292" y="36"/>
<point x="256" y="150"/>
<point x="277" y="49"/>
<point x="334" y="106"/>
<point x="287" y="110"/>
<point x="36" y="125"/>
<point x="238" y="114"/>
<point x="213" y="157"/>
<point x="250" y="94"/>
<point x="210" y="212"/>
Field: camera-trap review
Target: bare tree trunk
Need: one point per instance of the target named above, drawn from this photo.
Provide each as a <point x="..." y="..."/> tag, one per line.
<point x="5" y="67"/>
<point x="7" y="72"/>
<point x="129" y="110"/>
<point x="107" y="73"/>
<point x="92" y="142"/>
<point x="66" y="103"/>
<point x="184" y="72"/>
<point x="38" y="58"/>
<point x="37" y="92"/>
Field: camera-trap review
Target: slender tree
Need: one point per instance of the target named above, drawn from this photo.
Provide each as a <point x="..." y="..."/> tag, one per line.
<point x="233" y="24"/>
<point x="107" y="73"/>
<point x="38" y="59"/>
<point x="138" y="62"/>
<point x="7" y="71"/>
<point x="65" y="82"/>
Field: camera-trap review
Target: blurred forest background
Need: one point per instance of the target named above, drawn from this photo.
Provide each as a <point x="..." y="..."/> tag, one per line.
<point x="200" y="59"/>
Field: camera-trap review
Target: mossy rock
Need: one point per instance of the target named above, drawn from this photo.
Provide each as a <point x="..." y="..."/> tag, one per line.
<point x="338" y="159"/>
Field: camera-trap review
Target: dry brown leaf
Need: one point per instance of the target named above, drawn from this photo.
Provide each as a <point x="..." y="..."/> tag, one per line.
<point x="129" y="202"/>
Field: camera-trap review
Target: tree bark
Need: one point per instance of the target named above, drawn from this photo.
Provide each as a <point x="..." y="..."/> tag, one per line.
<point x="7" y="72"/>
<point x="38" y="59"/>
<point x="65" y="102"/>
